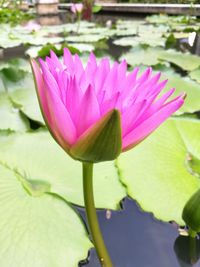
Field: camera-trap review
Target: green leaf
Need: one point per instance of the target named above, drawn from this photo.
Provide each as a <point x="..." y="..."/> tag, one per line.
<point x="125" y="32"/>
<point x="11" y="119"/>
<point x="155" y="172"/>
<point x="13" y="74"/>
<point x="38" y="155"/>
<point x="185" y="61"/>
<point x="85" y="38"/>
<point x="152" y="56"/>
<point x="158" y="19"/>
<point x="172" y="20"/>
<point x="184" y="84"/>
<point x="103" y="142"/>
<point x="16" y="64"/>
<point x="21" y="92"/>
<point x="37" y="231"/>
<point x="195" y="75"/>
<point x="129" y="24"/>
<point x="150" y="40"/>
<point x="191" y="212"/>
<point x="19" y="80"/>
<point x="138" y="55"/>
<point x="26" y="100"/>
<point x="193" y="165"/>
<point x="96" y="8"/>
<point x="103" y="31"/>
<point x="150" y="30"/>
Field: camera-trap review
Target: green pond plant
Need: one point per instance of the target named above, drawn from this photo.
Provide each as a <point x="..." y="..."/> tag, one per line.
<point x="191" y="214"/>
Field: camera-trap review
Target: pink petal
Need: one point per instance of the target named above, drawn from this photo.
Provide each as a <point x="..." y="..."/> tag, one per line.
<point x="56" y="61"/>
<point x="88" y="75"/>
<point x="100" y="75"/>
<point x="130" y="116"/>
<point x="68" y="61"/>
<point x="89" y="111"/>
<point x="41" y="89"/>
<point x="148" y="86"/>
<point x="142" y="113"/>
<point x="61" y="120"/>
<point x="73" y="99"/>
<point x="73" y="8"/>
<point x="63" y="81"/>
<point x="133" y="94"/>
<point x="121" y="75"/>
<point x="79" y="7"/>
<point x="110" y="83"/>
<point x="49" y="78"/>
<point x="110" y="104"/>
<point x="54" y="64"/>
<point x="54" y="112"/>
<point x="148" y="110"/>
<point x="159" y="103"/>
<point x="149" y="125"/>
<point x="91" y="68"/>
<point x="157" y="89"/>
<point x="79" y="67"/>
<point x="145" y="76"/>
<point x="129" y="83"/>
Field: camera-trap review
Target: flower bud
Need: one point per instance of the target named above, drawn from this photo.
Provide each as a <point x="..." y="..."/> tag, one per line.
<point x="103" y="142"/>
<point x="191" y="212"/>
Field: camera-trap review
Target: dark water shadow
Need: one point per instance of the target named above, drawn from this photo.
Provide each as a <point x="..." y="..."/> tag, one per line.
<point x="136" y="239"/>
<point x="187" y="251"/>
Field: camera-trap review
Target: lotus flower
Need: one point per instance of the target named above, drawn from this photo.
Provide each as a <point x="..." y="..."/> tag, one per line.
<point x="78" y="103"/>
<point x="32" y="26"/>
<point x="77" y="8"/>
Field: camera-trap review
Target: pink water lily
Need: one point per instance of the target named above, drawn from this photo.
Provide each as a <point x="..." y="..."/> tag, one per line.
<point x="74" y="98"/>
<point x="77" y="8"/>
<point x="32" y="26"/>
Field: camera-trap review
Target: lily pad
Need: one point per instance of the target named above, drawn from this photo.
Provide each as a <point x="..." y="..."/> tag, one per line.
<point x="86" y="38"/>
<point x="155" y="172"/>
<point x="153" y="40"/>
<point x="195" y="75"/>
<point x="184" y="84"/>
<point x="13" y="79"/>
<point x="138" y="55"/>
<point x="151" y="56"/>
<point x="7" y="42"/>
<point x="11" y="118"/>
<point x="185" y="61"/>
<point x="26" y="101"/>
<point x="37" y="231"/>
<point x="83" y="47"/>
<point x="129" y="24"/>
<point x="103" y="31"/>
<point x="16" y="63"/>
<point x="165" y="19"/>
<point x="148" y="30"/>
<point x="39" y="157"/>
<point x="126" y="32"/>
<point x="158" y="19"/>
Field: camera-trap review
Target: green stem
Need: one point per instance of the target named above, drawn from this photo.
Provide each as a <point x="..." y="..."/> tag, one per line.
<point x="78" y="22"/>
<point x="193" y="253"/>
<point x="192" y="233"/>
<point x="95" y="231"/>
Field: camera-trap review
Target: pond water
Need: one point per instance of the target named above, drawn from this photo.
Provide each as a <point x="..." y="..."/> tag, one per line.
<point x="135" y="238"/>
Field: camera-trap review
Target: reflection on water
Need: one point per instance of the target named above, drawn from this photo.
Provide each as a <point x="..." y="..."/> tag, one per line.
<point x="196" y="46"/>
<point x="187" y="250"/>
<point x="135" y="239"/>
<point x="49" y="20"/>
